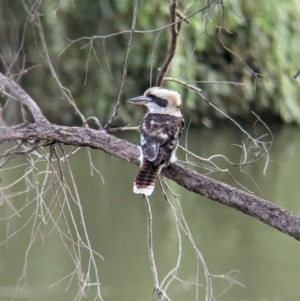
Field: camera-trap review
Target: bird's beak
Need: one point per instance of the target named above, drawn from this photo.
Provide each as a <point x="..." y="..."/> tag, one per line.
<point x="140" y="100"/>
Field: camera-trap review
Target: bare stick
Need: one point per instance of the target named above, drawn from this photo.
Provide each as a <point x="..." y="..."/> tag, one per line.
<point x="198" y="91"/>
<point x="66" y="93"/>
<point x="116" y="110"/>
<point x="150" y="242"/>
<point x="71" y="42"/>
<point x="296" y="74"/>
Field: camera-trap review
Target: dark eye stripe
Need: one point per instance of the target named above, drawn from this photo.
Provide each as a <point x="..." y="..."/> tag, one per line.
<point x="159" y="101"/>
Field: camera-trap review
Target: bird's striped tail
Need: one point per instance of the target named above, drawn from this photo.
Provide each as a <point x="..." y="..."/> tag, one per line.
<point x="145" y="180"/>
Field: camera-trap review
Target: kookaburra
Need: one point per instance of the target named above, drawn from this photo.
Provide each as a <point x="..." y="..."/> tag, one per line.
<point x="160" y="130"/>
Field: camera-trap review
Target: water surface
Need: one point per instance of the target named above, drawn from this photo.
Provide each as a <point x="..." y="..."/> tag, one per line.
<point x="268" y="261"/>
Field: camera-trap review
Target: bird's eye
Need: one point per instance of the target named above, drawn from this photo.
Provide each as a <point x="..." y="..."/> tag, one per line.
<point x="152" y="97"/>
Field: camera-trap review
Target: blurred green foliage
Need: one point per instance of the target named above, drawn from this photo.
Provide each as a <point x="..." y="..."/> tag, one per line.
<point x="261" y="37"/>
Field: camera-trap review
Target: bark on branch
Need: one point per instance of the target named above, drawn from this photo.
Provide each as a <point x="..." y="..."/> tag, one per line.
<point x="262" y="210"/>
<point x="23" y="97"/>
<point x="42" y="130"/>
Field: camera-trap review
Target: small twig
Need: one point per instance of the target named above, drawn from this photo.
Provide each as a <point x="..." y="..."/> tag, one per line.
<point x="297" y="74"/>
<point x="96" y="121"/>
<point x="30" y="12"/>
<point x="198" y="90"/>
<point x="218" y="82"/>
<point x="24" y="151"/>
<point x="116" y="110"/>
<point x="123" y="128"/>
<point x="220" y="36"/>
<point x="171" y="79"/>
<point x="24" y="71"/>
<point x="104" y="37"/>
<point x="65" y="92"/>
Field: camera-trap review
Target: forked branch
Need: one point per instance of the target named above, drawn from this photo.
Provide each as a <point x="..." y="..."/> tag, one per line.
<point x="17" y="92"/>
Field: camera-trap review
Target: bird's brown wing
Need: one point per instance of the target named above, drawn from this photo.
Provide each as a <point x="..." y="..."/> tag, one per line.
<point x="159" y="136"/>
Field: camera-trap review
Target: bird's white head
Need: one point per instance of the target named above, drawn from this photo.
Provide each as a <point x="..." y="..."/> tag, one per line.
<point x="160" y="100"/>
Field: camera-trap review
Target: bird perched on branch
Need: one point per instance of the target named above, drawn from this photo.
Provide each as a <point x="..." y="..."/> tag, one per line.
<point x="160" y="130"/>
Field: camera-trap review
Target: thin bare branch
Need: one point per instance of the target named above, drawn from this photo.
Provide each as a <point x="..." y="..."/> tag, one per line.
<point x="65" y="92"/>
<point x="150" y="242"/>
<point x="198" y="91"/>
<point x="179" y="20"/>
<point x="296" y="74"/>
<point x="116" y="110"/>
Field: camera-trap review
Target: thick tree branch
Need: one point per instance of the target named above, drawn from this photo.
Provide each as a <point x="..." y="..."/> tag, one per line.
<point x="23" y="97"/>
<point x="43" y="131"/>
<point x="262" y="210"/>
